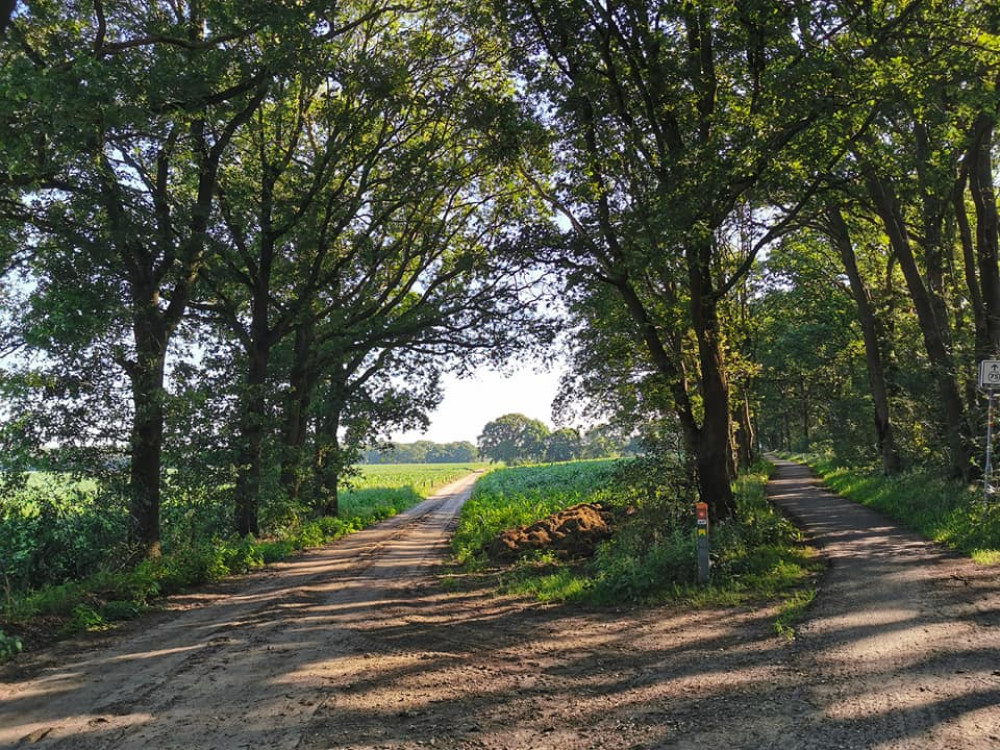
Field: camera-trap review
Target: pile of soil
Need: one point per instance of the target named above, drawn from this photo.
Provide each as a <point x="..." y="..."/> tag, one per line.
<point x="574" y="532"/>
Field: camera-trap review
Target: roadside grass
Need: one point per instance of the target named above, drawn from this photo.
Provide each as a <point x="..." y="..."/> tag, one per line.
<point x="950" y="513"/>
<point x="652" y="557"/>
<point x="99" y="600"/>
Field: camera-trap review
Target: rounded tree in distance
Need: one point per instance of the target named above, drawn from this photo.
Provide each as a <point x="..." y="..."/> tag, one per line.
<point x="564" y="445"/>
<point x="514" y="439"/>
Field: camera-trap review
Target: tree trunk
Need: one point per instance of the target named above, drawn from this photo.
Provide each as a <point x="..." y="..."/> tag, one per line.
<point x="969" y="264"/>
<point x="715" y="448"/>
<point x="301" y="383"/>
<point x="745" y="437"/>
<point x="888" y="208"/>
<point x="987" y="225"/>
<point x="327" y="463"/>
<point x="250" y="457"/>
<point x="146" y="376"/>
<point x="872" y="336"/>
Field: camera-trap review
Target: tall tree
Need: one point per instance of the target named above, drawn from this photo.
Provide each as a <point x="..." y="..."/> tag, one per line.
<point x="133" y="113"/>
<point x="667" y="120"/>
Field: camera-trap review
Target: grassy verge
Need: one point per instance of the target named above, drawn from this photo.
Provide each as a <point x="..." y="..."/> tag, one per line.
<point x="943" y="511"/>
<point x="652" y="556"/>
<point x="98" y="601"/>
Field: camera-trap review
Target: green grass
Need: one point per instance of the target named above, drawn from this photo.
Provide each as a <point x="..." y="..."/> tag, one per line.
<point x="512" y="497"/>
<point x="423" y="478"/>
<point x="652" y="557"/>
<point x="947" y="512"/>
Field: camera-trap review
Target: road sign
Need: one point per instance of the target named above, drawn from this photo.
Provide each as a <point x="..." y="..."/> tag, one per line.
<point x="989" y="373"/>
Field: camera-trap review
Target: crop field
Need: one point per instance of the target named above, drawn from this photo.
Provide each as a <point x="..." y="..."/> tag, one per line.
<point x="507" y="498"/>
<point x="387" y="489"/>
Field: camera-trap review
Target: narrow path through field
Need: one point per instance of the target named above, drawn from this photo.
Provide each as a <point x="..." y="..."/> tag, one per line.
<point x="361" y="646"/>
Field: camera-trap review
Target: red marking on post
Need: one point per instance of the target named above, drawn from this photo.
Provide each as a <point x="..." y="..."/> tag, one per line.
<point x="702" y="510"/>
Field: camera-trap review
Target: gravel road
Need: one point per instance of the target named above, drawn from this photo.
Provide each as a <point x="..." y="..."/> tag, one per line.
<point x="362" y="645"/>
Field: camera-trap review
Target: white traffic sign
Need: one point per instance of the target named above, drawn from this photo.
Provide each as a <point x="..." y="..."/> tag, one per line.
<point x="989" y="373"/>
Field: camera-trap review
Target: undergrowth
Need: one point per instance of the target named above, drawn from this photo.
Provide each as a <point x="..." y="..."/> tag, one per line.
<point x="111" y="594"/>
<point x="652" y="555"/>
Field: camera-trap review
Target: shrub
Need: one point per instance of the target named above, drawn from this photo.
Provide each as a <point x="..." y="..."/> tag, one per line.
<point x="10" y="646"/>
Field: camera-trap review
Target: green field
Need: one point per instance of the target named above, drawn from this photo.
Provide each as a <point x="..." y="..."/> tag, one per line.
<point x="507" y="498"/>
<point x="388" y="489"/>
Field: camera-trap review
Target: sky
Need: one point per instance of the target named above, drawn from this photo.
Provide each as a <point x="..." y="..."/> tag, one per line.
<point x="472" y="402"/>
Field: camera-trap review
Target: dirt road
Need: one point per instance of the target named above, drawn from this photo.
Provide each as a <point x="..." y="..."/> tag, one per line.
<point x="361" y="646"/>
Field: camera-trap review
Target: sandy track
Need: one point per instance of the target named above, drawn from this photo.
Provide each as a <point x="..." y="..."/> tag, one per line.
<point x="243" y="669"/>
<point x="359" y="646"/>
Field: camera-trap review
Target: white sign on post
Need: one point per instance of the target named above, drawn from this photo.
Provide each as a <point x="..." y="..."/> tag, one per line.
<point x="989" y="373"/>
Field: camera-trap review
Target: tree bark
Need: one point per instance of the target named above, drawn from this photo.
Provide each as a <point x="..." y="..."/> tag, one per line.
<point x="745" y="436"/>
<point x="327" y="462"/>
<point x="146" y="375"/>
<point x="872" y="336"/>
<point x="251" y="453"/>
<point x="301" y="383"/>
<point x="715" y="447"/>
<point x="888" y="208"/>
<point x="987" y="225"/>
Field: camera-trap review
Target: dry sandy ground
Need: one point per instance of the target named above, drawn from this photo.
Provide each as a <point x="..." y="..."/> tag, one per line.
<point x="359" y="645"/>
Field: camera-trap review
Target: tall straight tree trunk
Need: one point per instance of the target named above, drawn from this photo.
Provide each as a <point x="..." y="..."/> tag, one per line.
<point x="327" y="466"/>
<point x="969" y="264"/>
<point x="253" y="418"/>
<point x="888" y="208"/>
<point x="871" y="335"/>
<point x="745" y="437"/>
<point x="250" y="456"/>
<point x="146" y="375"/>
<point x="987" y="226"/>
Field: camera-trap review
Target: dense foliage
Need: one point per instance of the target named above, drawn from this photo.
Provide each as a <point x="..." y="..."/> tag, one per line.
<point x="241" y="241"/>
<point x="421" y="452"/>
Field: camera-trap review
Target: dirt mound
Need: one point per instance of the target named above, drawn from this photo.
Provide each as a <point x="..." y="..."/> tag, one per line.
<point x="574" y="532"/>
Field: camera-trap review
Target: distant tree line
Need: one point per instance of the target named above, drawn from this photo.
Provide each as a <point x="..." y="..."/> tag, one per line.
<point x="516" y="439"/>
<point x="422" y="452"/>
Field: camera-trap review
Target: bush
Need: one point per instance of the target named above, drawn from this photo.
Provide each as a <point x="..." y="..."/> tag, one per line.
<point x="10" y="646"/>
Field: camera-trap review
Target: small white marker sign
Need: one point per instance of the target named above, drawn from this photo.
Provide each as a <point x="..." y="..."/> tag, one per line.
<point x="989" y="373"/>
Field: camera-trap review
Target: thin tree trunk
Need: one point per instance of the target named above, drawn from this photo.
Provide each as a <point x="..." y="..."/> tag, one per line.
<point x="872" y="337"/>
